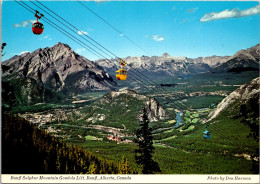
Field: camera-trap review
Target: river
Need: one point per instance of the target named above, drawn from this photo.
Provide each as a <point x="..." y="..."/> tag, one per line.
<point x="178" y="120"/>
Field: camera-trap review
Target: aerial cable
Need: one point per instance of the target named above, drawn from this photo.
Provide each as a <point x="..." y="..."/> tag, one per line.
<point x="69" y="36"/>
<point x="116" y="31"/>
<point x="82" y="32"/>
<point x="68" y="27"/>
<point x="77" y="39"/>
<point x="219" y="130"/>
<point x="72" y="26"/>
<point x="68" y="33"/>
<point x="121" y="34"/>
<point x="77" y="29"/>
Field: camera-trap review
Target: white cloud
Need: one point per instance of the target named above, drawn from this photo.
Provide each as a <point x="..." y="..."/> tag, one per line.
<point x="121" y="35"/>
<point x="192" y="10"/>
<point x="234" y="13"/>
<point x="24" y="23"/>
<point x="82" y="33"/>
<point x="46" y="37"/>
<point x="80" y="50"/>
<point x="157" y="38"/>
<point x="100" y="1"/>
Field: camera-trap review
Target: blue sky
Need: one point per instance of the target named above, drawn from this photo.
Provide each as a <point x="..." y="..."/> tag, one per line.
<point x="182" y="28"/>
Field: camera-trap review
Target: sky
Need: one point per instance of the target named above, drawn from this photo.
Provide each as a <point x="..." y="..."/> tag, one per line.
<point x="179" y="28"/>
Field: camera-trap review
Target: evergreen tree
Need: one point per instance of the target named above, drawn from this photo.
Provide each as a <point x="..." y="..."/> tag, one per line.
<point x="93" y="168"/>
<point x="144" y="153"/>
<point x="124" y="167"/>
<point x="250" y="115"/>
<point x="44" y="154"/>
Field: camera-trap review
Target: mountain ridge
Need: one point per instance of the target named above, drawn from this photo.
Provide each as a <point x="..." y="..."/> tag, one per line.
<point x="53" y="66"/>
<point x="243" y="95"/>
<point x="242" y="60"/>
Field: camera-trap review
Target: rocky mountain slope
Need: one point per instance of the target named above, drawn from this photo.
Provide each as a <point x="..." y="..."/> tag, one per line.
<point x="131" y="104"/>
<point x="243" y="60"/>
<point x="167" y="65"/>
<point x="247" y="93"/>
<point x="58" y="68"/>
<point x="154" y="110"/>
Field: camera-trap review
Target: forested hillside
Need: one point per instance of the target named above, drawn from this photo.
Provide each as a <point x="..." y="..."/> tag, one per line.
<point x="27" y="149"/>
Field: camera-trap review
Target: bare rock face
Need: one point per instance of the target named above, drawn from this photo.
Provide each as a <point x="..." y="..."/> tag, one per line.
<point x="154" y="110"/>
<point x="242" y="94"/>
<point x="58" y="68"/>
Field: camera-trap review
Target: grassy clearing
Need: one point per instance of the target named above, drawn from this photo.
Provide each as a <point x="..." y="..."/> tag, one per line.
<point x="90" y="138"/>
<point x="169" y="138"/>
<point x="171" y="121"/>
<point x="195" y="120"/>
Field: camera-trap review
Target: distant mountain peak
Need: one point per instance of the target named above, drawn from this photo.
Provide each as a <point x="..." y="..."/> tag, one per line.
<point x="61" y="45"/>
<point x="242" y="60"/>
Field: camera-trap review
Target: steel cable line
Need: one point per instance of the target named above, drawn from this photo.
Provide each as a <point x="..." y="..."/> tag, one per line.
<point x="112" y="26"/>
<point x="70" y="28"/>
<point x="66" y="34"/>
<point x="80" y="35"/>
<point x="226" y="135"/>
<point x="55" y="26"/>
<point x="140" y="82"/>
<point x="74" y="39"/>
<point x="77" y="30"/>
<point x="221" y="132"/>
<point x="73" y="27"/>
<point x="160" y="89"/>
<point x="231" y="143"/>
<point x="119" y="33"/>
<point x="70" y="37"/>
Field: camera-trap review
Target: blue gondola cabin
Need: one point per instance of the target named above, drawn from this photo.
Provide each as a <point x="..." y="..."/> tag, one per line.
<point x="206" y="134"/>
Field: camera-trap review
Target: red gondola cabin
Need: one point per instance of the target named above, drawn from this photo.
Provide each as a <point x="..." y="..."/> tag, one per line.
<point x="37" y="27"/>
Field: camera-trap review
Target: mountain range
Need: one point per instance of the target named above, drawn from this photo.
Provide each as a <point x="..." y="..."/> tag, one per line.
<point x="58" y="68"/>
<point x="32" y="77"/>
<point x="169" y="66"/>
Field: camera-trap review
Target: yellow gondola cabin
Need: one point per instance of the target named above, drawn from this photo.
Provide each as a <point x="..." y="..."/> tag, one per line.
<point x="121" y="74"/>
